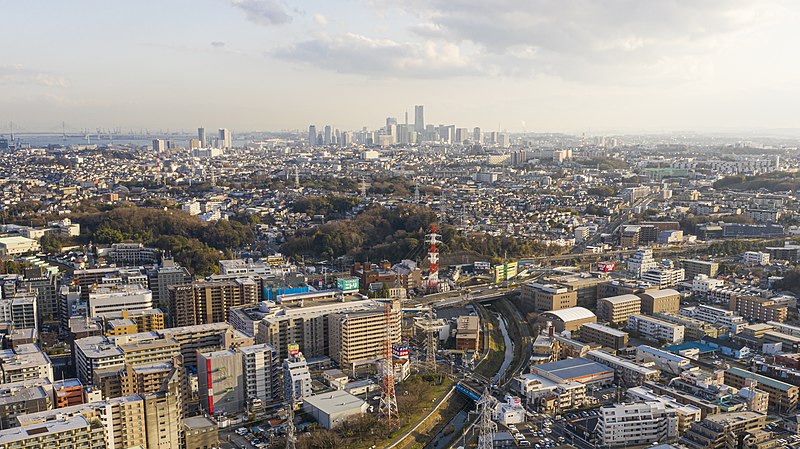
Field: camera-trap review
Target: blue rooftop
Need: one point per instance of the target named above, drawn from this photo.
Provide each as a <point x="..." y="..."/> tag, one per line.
<point x="703" y="348"/>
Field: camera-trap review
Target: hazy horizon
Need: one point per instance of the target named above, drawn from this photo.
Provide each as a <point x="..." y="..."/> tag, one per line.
<point x="540" y="66"/>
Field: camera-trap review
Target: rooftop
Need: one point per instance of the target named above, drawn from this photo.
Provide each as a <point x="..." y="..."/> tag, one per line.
<point x="762" y="380"/>
<point x="572" y="368"/>
<point x="334" y="402"/>
<point x="620" y="299"/>
<point x="572" y="313"/>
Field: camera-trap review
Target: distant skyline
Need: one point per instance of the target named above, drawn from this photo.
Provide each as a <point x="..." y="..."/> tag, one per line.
<point x="270" y="65"/>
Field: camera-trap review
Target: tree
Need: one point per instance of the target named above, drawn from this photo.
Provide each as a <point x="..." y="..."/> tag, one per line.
<point x="51" y="243"/>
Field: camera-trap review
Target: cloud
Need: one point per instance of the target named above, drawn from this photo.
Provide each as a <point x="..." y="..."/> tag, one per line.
<point x="581" y="39"/>
<point x="355" y="53"/>
<point x="218" y="44"/>
<point x="18" y="74"/>
<point x="320" y="19"/>
<point x="263" y="12"/>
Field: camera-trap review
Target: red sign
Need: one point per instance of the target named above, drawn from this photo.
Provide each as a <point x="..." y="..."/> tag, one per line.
<point x="606" y="266"/>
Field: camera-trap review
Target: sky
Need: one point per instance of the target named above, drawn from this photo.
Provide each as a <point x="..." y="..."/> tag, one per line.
<point x="593" y="66"/>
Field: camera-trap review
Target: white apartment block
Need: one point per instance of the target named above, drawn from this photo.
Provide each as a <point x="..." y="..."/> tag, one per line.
<point x="664" y="277"/>
<point x="640" y="262"/>
<point x="755" y="258"/>
<point x="114" y="299"/>
<point x="702" y="284"/>
<point x="655" y="329"/>
<point x="716" y="316"/>
<point x="636" y="424"/>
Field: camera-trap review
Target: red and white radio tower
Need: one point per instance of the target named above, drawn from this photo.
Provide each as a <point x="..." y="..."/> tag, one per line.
<point x="432" y="238"/>
<point x="388" y="405"/>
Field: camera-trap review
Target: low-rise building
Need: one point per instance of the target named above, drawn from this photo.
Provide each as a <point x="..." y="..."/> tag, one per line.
<point x="656" y="330"/>
<point x="603" y="335"/>
<point x="330" y="409"/>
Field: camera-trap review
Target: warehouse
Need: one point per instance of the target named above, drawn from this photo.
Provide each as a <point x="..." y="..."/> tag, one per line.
<point x="575" y="370"/>
<point x="332" y="408"/>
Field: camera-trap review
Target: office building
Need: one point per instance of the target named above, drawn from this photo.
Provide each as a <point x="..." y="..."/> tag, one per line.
<point x="605" y="336"/>
<point x="637" y="423"/>
<point x="225" y="139"/>
<point x="755" y="308"/>
<point x="660" y="301"/>
<point x="220" y="381"/>
<point x="116" y="298"/>
<point x="654" y="329"/>
<point x="546" y="297"/>
<point x="419" y="119"/>
<point x="201" y="136"/>
<point x="617" y="309"/>
<point x="261" y="367"/>
<point x="362" y="336"/>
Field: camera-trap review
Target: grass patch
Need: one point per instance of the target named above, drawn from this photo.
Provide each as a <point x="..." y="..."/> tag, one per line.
<point x="489" y="366"/>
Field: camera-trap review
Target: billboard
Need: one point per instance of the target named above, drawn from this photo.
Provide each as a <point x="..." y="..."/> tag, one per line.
<point x="347" y="284"/>
<point x="294" y="349"/>
<point x="606" y="266"/>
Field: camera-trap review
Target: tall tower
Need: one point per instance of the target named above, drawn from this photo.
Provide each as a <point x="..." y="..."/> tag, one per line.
<point x="388" y="405"/>
<point x="289" y="428"/>
<point x="419" y="119"/>
<point x="430" y="341"/>
<point x="433" y="257"/>
<point x="486" y="427"/>
<point x="312" y="135"/>
<point x="225" y="138"/>
<point x="201" y="136"/>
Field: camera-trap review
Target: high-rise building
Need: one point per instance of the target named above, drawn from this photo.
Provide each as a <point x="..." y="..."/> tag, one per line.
<point x="262" y="372"/>
<point x="159" y="146"/>
<point x="296" y="378"/>
<point x="327" y="138"/>
<point x="391" y="124"/>
<point x="477" y="135"/>
<point x="361" y="336"/>
<point x="220" y="381"/>
<point x="201" y="136"/>
<point x="209" y="302"/>
<point x="225" y="138"/>
<point x="419" y="119"/>
<point x="312" y="135"/>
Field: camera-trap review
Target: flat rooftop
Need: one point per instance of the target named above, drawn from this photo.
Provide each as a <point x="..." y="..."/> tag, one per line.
<point x="572" y="368"/>
<point x="334" y="402"/>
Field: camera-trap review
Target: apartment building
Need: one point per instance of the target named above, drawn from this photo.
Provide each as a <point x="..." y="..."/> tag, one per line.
<point x="640" y="262"/>
<point x="663" y="360"/>
<point x="296" y="378"/>
<point x="75" y="432"/>
<point x="783" y="397"/>
<point x="714" y="431"/>
<point x="693" y="329"/>
<point x="603" y="335"/>
<point x="616" y="309"/>
<point x="362" y="336"/>
<point x="261" y="368"/>
<point x="755" y="308"/>
<point x="654" y="329"/>
<point x="693" y="268"/>
<point x="664" y="277"/>
<point x="209" y="301"/>
<point x="20" y="398"/>
<point x="627" y="372"/>
<point x="122" y="418"/>
<point x="546" y="297"/>
<point x="307" y="327"/>
<point x="702" y="285"/>
<point x="637" y="423"/>
<point x="25" y="362"/>
<point x="686" y="414"/>
<point x="660" y="301"/>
